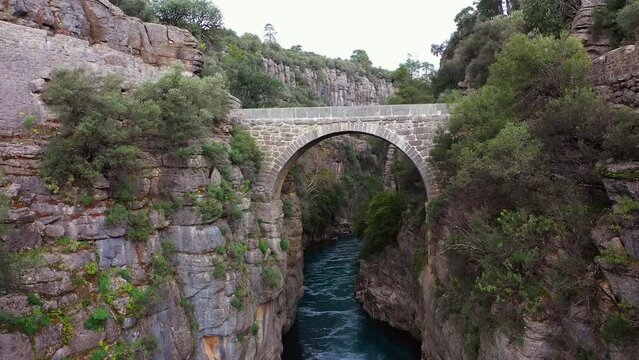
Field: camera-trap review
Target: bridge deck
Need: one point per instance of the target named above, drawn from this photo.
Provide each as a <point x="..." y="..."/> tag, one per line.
<point x="341" y="113"/>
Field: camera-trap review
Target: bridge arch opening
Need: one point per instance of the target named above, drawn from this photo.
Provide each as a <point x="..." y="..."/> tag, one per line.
<point x="274" y="177"/>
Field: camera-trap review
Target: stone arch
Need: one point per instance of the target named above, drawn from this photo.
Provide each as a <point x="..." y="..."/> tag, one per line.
<point x="273" y="177"/>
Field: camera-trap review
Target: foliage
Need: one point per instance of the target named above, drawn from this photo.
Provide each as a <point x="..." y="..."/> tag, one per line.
<point x="618" y="257"/>
<point x="606" y="20"/>
<point x="272" y="277"/>
<point x="200" y="17"/>
<point x="549" y="17"/>
<point x="237" y="303"/>
<point x="520" y="155"/>
<point x="141" y="9"/>
<point x="263" y="245"/>
<point x="322" y="199"/>
<point x="219" y="201"/>
<point x="628" y="20"/>
<point x="284" y="244"/>
<point x="102" y="126"/>
<point x="244" y="149"/>
<point x="183" y="107"/>
<point x="472" y="49"/>
<point x="97" y="320"/>
<point x="412" y="80"/>
<point x="619" y="330"/>
<point x="255" y="328"/>
<point x="138" y="229"/>
<point x="379" y="221"/>
<point x="29" y="324"/>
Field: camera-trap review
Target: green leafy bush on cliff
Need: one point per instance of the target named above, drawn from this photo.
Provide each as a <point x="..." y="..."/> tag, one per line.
<point x="379" y="221"/>
<point x="104" y="129"/>
<point x="520" y="154"/>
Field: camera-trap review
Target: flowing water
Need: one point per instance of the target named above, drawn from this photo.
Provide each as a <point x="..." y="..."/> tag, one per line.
<point x="330" y="324"/>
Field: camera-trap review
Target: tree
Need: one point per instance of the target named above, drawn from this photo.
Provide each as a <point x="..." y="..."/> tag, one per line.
<point x="197" y="16"/>
<point x="489" y="8"/>
<point x="269" y="34"/>
<point x="140" y="9"/>
<point x="361" y="57"/>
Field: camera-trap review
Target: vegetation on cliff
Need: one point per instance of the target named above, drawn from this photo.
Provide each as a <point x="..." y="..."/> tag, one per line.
<point x="521" y="154"/>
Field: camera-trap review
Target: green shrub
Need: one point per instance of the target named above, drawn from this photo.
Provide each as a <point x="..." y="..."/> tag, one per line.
<point x="287" y="209"/>
<point x="34" y="299"/>
<point x="140" y="9"/>
<point x="86" y="200"/>
<point x="138" y="229"/>
<point x="618" y="257"/>
<point x="244" y="149"/>
<point x="29" y="324"/>
<point x="219" y="268"/>
<point x="99" y="354"/>
<point x="237" y="303"/>
<point x="379" y="222"/>
<point x="117" y="215"/>
<point x="69" y="245"/>
<point x="284" y="244"/>
<point x="619" y="330"/>
<point x="91" y="268"/>
<point x="272" y="277"/>
<point x="97" y="320"/>
<point x="627" y="206"/>
<point x="141" y="348"/>
<point x="217" y="152"/>
<point x="255" y="328"/>
<point x="628" y="20"/>
<point x="263" y="245"/>
<point x="102" y="125"/>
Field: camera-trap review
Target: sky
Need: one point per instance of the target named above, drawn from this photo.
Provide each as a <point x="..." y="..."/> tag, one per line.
<point x="387" y="30"/>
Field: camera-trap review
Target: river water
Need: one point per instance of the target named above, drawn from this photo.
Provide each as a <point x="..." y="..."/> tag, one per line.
<point x="330" y="324"/>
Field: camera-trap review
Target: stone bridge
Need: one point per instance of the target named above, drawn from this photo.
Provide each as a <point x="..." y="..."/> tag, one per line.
<point x="283" y="134"/>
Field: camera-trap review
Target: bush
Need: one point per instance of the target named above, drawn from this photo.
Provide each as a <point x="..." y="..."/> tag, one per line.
<point x="237" y="303"/>
<point x="138" y="229"/>
<point x="97" y="320"/>
<point x="29" y="324"/>
<point x="284" y="244"/>
<point x="102" y="126"/>
<point x="628" y="20"/>
<point x="255" y="328"/>
<point x="263" y="245"/>
<point x="197" y="16"/>
<point x="244" y="149"/>
<point x="379" y="222"/>
<point x="272" y="277"/>
<point x="619" y="330"/>
<point x="140" y="9"/>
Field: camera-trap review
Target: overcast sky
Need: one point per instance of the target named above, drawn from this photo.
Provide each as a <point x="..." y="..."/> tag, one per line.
<point x="335" y="28"/>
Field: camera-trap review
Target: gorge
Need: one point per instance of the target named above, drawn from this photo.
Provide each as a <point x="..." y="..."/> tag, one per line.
<point x="146" y="214"/>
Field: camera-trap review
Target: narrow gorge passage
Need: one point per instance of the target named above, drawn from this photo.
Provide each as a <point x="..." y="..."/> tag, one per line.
<point x="330" y="323"/>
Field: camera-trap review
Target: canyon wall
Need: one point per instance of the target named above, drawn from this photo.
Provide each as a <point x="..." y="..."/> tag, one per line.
<point x="334" y="87"/>
<point x="205" y="296"/>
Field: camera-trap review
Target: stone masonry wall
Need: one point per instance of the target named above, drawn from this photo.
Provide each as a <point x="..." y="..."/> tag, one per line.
<point x="616" y="76"/>
<point x="283" y="134"/>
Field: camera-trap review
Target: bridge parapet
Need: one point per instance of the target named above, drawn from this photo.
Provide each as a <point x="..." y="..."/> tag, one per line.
<point x="331" y="114"/>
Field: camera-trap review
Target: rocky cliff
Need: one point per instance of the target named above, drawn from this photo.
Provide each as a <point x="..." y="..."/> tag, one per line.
<point x="333" y="87"/>
<point x="195" y="288"/>
<point x="409" y="297"/>
<point x="596" y="42"/>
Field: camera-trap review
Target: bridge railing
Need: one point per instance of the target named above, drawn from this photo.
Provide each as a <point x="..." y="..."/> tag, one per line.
<point x="342" y="112"/>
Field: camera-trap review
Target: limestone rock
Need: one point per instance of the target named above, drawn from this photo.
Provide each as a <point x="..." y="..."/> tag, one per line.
<point x="15" y="347"/>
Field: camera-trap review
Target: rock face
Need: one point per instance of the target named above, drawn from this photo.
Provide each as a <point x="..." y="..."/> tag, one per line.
<point x="334" y="87"/>
<point x="100" y="22"/>
<point x="616" y="78"/>
<point x="195" y="313"/>
<point x="390" y="291"/>
<point x="597" y="42"/>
